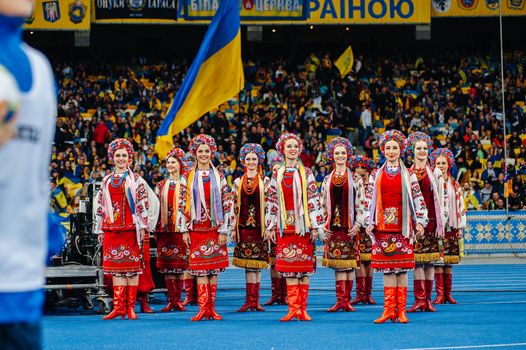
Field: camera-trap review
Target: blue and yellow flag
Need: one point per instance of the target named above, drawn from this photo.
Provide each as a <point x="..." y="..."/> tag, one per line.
<point x="215" y="76"/>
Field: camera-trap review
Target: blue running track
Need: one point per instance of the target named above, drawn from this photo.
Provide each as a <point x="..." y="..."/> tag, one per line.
<point x="491" y="314"/>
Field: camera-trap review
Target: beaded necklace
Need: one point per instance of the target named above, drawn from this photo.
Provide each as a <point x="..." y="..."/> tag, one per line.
<point x="339" y="180"/>
<point x="250" y="184"/>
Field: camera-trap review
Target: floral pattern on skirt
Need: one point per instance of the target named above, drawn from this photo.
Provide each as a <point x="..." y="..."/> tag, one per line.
<point x="121" y="255"/>
<point x="294" y="255"/>
<point x="172" y="253"/>
<point x="451" y="248"/>
<point x="341" y="251"/>
<point x="392" y="253"/>
<point x="426" y="247"/>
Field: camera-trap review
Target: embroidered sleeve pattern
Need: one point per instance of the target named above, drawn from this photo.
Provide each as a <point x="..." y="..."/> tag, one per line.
<point x="418" y="200"/>
<point x="142" y="203"/>
<point x="360" y="202"/>
<point x="313" y="201"/>
<point x="323" y="198"/>
<point x="369" y="189"/>
<point x="271" y="203"/>
<point x="182" y="220"/>
<point x="233" y="207"/>
<point x="460" y="205"/>
<point x="99" y="212"/>
<point x="225" y="203"/>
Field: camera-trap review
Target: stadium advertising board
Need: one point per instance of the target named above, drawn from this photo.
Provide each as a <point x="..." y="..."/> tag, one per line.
<point x="260" y="10"/>
<point x="477" y="8"/>
<point x="135" y="11"/>
<point x="60" y="15"/>
<point x="369" y="11"/>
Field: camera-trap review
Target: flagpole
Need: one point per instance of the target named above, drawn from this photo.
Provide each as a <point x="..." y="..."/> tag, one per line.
<point x="503" y="103"/>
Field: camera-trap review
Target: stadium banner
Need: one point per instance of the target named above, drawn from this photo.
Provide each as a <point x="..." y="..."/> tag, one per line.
<point x="60" y="15"/>
<point x="258" y="10"/>
<point x="135" y="11"/>
<point x="369" y="12"/>
<point x="477" y="8"/>
<point x="494" y="232"/>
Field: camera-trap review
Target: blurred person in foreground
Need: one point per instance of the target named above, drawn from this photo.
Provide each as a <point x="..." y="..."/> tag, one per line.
<point x="25" y="150"/>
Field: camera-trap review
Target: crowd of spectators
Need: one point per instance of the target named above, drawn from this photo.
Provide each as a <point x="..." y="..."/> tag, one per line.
<point x="454" y="98"/>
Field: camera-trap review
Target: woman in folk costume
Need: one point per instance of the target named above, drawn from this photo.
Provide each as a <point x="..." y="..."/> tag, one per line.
<point x="427" y="249"/>
<point x="363" y="167"/>
<point x="172" y="252"/>
<point x="203" y="220"/>
<point x="444" y="160"/>
<point x="396" y="209"/>
<point x="343" y="202"/>
<point x="278" y="283"/>
<point x="122" y="223"/>
<point x="189" y="281"/>
<point x="293" y="215"/>
<point x="247" y="222"/>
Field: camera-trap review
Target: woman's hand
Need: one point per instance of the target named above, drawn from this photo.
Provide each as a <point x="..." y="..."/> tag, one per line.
<point x="369" y="230"/>
<point x="354" y="230"/>
<point x="270" y="236"/>
<point x="100" y="238"/>
<point x="328" y="234"/>
<point x="419" y="230"/>
<point x="143" y="234"/>
<point x="186" y="238"/>
<point x="222" y="239"/>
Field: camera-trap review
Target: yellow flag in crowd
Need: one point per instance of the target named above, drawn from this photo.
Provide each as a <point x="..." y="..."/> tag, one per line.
<point x="345" y="62"/>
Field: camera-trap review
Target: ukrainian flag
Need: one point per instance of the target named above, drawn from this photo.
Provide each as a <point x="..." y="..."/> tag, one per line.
<point x="215" y="76"/>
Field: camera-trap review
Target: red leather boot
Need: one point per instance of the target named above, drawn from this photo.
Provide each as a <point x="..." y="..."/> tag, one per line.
<point x="256" y="306"/>
<point x="304" y="294"/>
<point x="191" y="292"/>
<point x="275" y="290"/>
<point x="420" y="296"/>
<point x="347" y="301"/>
<point x="448" y="284"/>
<point x="177" y="296"/>
<point x="293" y="293"/>
<point x="401" y="302"/>
<point x="211" y="304"/>
<point x="439" y="288"/>
<point x="248" y="298"/>
<point x="203" y="296"/>
<point x="131" y="298"/>
<point x="341" y="293"/>
<point x="369" y="289"/>
<point x="361" y="292"/>
<point x="119" y="303"/>
<point x="143" y="302"/>
<point x="174" y="287"/>
<point x="429" y="291"/>
<point x="389" y="306"/>
<point x="283" y="290"/>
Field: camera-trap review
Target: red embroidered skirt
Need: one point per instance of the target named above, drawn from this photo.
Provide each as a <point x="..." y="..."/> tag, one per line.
<point x="294" y="254"/>
<point x="205" y="252"/>
<point x="251" y="252"/>
<point x="426" y="247"/>
<point x="121" y="253"/>
<point x="392" y="252"/>
<point x="341" y="252"/>
<point x="366" y="246"/>
<point x="451" y="248"/>
<point x="172" y="253"/>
